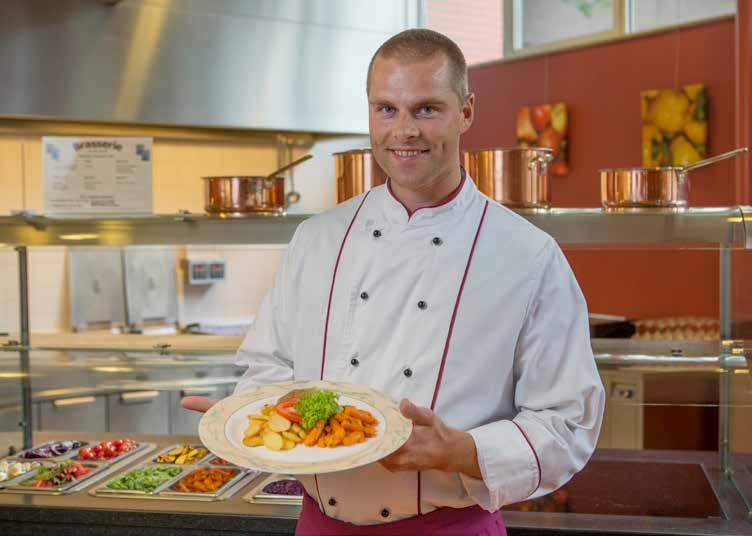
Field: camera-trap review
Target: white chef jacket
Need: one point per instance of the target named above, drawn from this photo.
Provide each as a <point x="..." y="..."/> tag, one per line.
<point x="519" y="373"/>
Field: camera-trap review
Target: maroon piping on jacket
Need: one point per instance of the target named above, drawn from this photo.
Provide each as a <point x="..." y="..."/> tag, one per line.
<point x="537" y="460"/>
<point x="451" y="326"/>
<point x="334" y="277"/>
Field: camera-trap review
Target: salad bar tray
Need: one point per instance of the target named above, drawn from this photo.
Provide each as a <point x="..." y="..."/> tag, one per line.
<point x="179" y="472"/>
<point x="61" y="467"/>
<point x="276" y="489"/>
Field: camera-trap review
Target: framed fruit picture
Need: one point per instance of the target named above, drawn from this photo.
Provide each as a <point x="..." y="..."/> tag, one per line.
<point x="674" y="126"/>
<point x="546" y="125"/>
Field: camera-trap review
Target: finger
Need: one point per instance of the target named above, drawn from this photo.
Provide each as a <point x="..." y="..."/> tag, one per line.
<point x="420" y="416"/>
<point x="197" y="403"/>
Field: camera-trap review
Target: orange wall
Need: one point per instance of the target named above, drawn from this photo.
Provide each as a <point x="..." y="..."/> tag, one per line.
<point x="601" y="85"/>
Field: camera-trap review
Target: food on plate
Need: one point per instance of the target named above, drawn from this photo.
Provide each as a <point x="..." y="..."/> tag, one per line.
<point x="287" y="486"/>
<point x="58" y="475"/>
<point x="144" y="479"/>
<point x="204" y="480"/>
<point x="182" y="455"/>
<point x="106" y="449"/>
<point x="312" y="417"/>
<point x="50" y="450"/>
<point x="11" y="469"/>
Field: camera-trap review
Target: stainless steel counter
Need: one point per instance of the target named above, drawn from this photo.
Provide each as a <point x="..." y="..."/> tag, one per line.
<point x="80" y="513"/>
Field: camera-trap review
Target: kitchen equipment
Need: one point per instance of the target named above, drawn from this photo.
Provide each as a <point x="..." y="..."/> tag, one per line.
<point x="242" y="194"/>
<point x="150" y="290"/>
<point x="96" y="287"/>
<point x="356" y="171"/>
<point x="656" y="187"/>
<point x="515" y="177"/>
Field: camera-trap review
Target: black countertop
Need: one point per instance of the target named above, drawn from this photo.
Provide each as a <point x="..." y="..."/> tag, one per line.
<point x="658" y="480"/>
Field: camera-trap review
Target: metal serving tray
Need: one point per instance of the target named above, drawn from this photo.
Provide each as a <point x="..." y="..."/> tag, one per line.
<point x="103" y="468"/>
<point x="60" y="458"/>
<point x="138" y="494"/>
<point x="239" y="475"/>
<point x="163" y="491"/>
<point x="257" y="495"/>
<point x="177" y="445"/>
<point x="11" y="481"/>
<point x="99" y="469"/>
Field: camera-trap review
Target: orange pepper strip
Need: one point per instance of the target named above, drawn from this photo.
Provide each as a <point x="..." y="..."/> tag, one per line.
<point x="364" y="416"/>
<point x="314" y="434"/>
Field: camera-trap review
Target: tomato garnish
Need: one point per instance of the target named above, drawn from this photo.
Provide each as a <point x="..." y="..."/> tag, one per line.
<point x="286" y="408"/>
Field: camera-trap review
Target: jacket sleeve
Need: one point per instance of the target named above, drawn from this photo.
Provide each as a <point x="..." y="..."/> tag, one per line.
<point x="265" y="351"/>
<point x="559" y="396"/>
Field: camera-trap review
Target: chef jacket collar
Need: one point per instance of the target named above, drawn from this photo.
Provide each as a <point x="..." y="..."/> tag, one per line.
<point x="396" y="212"/>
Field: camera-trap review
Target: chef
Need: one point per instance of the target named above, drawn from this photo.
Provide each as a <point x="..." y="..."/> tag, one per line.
<point x="429" y="291"/>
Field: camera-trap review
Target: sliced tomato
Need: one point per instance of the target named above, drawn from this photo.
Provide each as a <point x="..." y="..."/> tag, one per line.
<point x="287" y="409"/>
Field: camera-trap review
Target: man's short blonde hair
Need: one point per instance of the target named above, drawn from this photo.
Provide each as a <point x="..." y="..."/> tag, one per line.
<point x="419" y="44"/>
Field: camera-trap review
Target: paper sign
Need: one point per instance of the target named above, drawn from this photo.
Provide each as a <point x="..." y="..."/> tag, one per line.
<point x="97" y="175"/>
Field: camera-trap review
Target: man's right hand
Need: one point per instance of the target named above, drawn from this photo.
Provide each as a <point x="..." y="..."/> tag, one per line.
<point x="197" y="403"/>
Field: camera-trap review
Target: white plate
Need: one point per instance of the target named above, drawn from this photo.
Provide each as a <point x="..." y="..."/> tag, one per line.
<point x="222" y="427"/>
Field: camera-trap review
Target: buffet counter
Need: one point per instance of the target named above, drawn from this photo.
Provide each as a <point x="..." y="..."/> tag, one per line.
<point x="637" y="492"/>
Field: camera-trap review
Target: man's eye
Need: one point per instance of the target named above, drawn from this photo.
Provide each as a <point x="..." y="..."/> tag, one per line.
<point x="385" y="109"/>
<point x="426" y="110"/>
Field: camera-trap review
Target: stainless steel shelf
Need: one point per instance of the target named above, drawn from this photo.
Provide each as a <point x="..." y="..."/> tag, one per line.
<point x="169" y="229"/>
<point x="691" y="228"/>
<point x="711" y="227"/>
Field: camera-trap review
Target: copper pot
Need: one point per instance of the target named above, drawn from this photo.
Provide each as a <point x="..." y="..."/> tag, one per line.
<point x="356" y="171"/>
<point x="515" y="177"/>
<point x="241" y="195"/>
<point x="651" y="187"/>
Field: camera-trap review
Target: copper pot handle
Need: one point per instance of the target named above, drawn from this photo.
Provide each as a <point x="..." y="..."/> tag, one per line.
<point x="540" y="159"/>
<point x="682" y="172"/>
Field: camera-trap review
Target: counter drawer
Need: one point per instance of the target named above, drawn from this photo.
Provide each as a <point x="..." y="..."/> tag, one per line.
<point x="143" y="412"/>
<point x="75" y="414"/>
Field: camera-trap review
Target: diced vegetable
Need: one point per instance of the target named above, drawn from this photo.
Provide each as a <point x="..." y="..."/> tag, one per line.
<point x="204" y="480"/>
<point x="144" y="479"/>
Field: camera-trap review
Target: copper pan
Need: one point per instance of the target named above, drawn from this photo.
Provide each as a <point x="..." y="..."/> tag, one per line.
<point x="240" y="195"/>
<point x="652" y="187"/>
<point x="515" y="177"/>
<point x="356" y="171"/>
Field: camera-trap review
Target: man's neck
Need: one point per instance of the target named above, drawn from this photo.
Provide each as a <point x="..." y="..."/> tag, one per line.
<point x="435" y="194"/>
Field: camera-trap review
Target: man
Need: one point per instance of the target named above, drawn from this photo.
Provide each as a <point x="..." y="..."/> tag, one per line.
<point x="430" y="292"/>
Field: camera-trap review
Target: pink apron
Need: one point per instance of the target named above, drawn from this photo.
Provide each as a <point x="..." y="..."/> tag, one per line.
<point x="469" y="521"/>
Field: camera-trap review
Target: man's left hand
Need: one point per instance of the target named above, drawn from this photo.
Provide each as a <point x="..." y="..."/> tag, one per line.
<point x="433" y="445"/>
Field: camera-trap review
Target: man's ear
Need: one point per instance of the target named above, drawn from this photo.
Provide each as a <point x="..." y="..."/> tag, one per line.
<point x="468" y="113"/>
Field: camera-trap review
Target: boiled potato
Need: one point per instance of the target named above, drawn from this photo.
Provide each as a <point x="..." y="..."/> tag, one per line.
<point x="258" y="418"/>
<point x="277" y="423"/>
<point x="272" y="440"/>
<point x="254" y="428"/>
<point x="296" y="428"/>
<point x="288" y="444"/>
<point x="268" y="410"/>
<point x="292" y="437"/>
<point x="255" y="441"/>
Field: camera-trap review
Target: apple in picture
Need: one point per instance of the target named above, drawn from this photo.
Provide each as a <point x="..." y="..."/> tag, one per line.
<point x="540" y="115"/>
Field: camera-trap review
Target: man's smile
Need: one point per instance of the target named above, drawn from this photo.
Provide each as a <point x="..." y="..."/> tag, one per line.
<point x="408" y="154"/>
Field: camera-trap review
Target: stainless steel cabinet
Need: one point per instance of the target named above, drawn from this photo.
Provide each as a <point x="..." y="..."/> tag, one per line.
<point x="76" y="414"/>
<point x="145" y="412"/>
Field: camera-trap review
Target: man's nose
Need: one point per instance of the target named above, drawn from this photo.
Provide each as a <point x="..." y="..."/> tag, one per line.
<point x="406" y="127"/>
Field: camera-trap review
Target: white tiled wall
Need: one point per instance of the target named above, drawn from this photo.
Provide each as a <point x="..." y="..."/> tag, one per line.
<point x="177" y="171"/>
